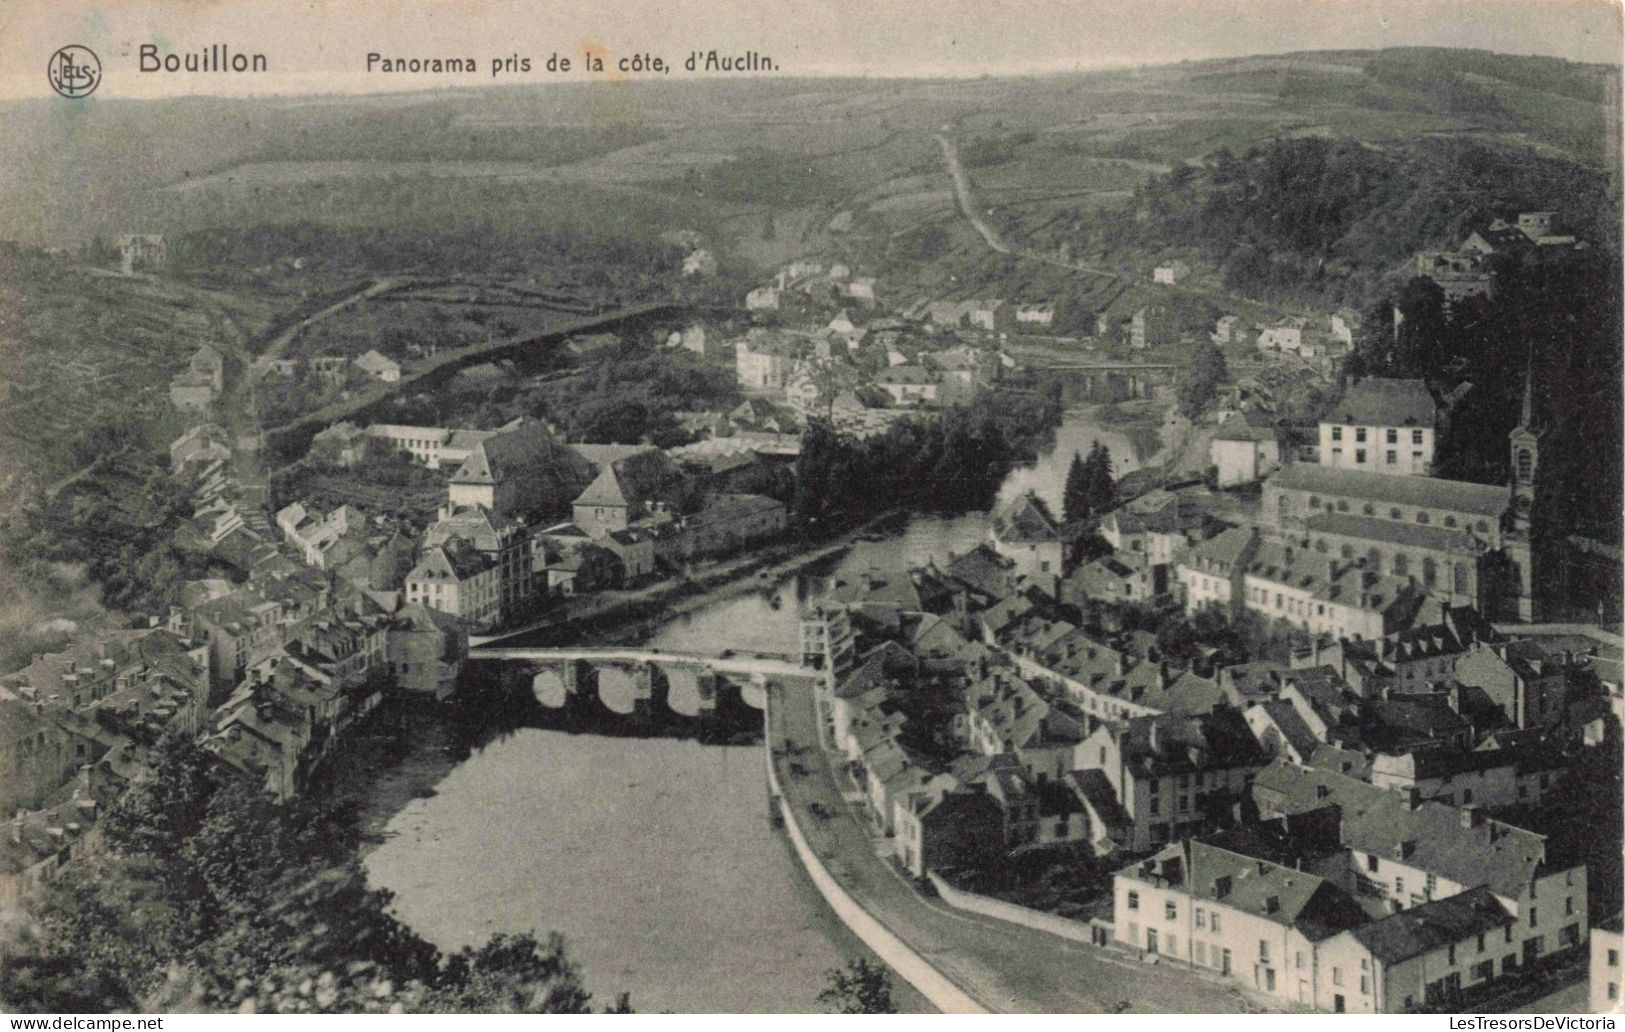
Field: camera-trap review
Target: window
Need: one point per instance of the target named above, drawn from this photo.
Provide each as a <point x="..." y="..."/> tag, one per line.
<point x="1526" y="463"/>
<point x="1416" y="437"/>
<point x="1568" y="906"/>
<point x="1392" y="436"/>
<point x="1534" y="916"/>
<point x="1481" y="942"/>
<point x="1337" y="453"/>
<point x="1201" y="953"/>
<point x="1215" y="920"/>
<point x="1399" y="886"/>
<point x="1613" y="958"/>
<point x="1298" y="961"/>
<point x="1365" y="985"/>
<point x="1359" y="456"/>
<point x="1134" y="901"/>
<point x="1359" y="436"/>
<point x="1450" y="956"/>
<point x="1263" y="951"/>
<point x="1370" y="862"/>
<point x="1337" y="433"/>
<point x="1201" y="918"/>
<point x="1432" y="885"/>
<point x="1484" y="971"/>
<point x="1337" y="976"/>
<point x="1393" y="458"/>
<point x="1170" y="910"/>
<point x="1613" y="990"/>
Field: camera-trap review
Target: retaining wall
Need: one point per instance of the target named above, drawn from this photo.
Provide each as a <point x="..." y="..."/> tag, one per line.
<point x="909" y="965"/>
<point x="999" y="909"/>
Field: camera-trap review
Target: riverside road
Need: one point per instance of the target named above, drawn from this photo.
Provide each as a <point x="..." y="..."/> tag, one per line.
<point x="1005" y="967"/>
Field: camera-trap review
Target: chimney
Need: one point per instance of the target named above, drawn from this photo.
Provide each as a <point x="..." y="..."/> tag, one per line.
<point x="1471" y="817"/>
<point x="1163" y="677"/>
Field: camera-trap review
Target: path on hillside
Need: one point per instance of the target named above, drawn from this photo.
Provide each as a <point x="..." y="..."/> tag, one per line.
<point x="967" y="205"/>
<point x="280" y="342"/>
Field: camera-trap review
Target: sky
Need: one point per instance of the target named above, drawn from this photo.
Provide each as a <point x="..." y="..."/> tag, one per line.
<point x="321" y="46"/>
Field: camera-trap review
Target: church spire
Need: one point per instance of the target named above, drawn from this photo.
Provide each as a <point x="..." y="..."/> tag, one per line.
<point x="1528" y="419"/>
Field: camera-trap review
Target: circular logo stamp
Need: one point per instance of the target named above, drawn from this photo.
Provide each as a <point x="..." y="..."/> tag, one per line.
<point x="74" y="71"/>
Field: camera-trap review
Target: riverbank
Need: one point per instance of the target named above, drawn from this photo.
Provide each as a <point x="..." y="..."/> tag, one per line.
<point x="630" y="617"/>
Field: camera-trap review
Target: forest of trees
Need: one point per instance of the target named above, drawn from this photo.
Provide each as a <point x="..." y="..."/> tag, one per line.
<point x="952" y="464"/>
<point x="1560" y="321"/>
<point x="1327" y="221"/>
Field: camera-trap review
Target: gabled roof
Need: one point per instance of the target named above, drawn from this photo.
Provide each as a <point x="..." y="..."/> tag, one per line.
<point x="1431" y="926"/>
<point x="1023" y="520"/>
<point x="635" y="479"/>
<point x="1425" y="492"/>
<point x="1379" y="401"/>
<point x="524" y="449"/>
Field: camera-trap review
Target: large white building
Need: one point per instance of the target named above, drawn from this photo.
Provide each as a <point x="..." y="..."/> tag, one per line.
<point x="1381" y="426"/>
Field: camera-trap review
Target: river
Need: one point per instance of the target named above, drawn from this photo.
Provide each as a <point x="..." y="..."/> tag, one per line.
<point x="656" y="857"/>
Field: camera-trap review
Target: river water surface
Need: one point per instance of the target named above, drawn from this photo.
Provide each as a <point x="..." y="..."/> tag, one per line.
<point x="656" y="857"/>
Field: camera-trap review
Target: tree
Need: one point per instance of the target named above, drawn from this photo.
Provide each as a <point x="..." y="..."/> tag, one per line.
<point x="1102" y="486"/>
<point x="1075" y="496"/>
<point x="514" y="974"/>
<point x="830" y="377"/>
<point x="1202" y="379"/>
<point x="863" y="988"/>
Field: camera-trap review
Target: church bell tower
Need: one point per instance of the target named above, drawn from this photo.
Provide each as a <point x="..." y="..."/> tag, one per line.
<point x="1525" y="473"/>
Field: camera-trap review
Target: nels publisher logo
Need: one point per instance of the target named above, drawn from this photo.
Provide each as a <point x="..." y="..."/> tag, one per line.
<point x="74" y="71"/>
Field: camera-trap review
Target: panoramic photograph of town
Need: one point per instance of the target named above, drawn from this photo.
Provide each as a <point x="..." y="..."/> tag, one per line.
<point x="1017" y="508"/>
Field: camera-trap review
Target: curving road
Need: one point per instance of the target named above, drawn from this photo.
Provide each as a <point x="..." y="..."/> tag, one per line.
<point x="1002" y="966"/>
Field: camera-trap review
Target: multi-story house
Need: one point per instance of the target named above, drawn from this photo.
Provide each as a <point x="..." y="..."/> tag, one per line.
<point x="1381" y="426"/>
<point x="520" y="470"/>
<point x="1405" y="854"/>
<point x="1007" y="716"/>
<point x="1421" y="957"/>
<point x="1236" y="916"/>
<point x="1174" y="775"/>
<point x="458" y="579"/>
<point x="1522" y="682"/>
<point x="1023" y="532"/>
<point x="1607" y="976"/>
<point x="505" y="542"/>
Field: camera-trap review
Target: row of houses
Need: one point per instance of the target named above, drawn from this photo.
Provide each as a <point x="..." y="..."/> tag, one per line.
<point x="1319" y="842"/>
<point x="77" y="727"/>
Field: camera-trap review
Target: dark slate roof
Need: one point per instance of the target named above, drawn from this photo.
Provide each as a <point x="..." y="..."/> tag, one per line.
<point x="1425" y="492"/>
<point x="1093" y="787"/>
<point x="1024" y="520"/>
<point x="1398" y="532"/>
<point x="1377" y="401"/>
<point x="1242" y="430"/>
<point x="1431" y="926"/>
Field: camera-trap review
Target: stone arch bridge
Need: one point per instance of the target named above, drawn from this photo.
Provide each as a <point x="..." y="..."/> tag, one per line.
<point x="1106" y="381"/>
<point x="634" y="681"/>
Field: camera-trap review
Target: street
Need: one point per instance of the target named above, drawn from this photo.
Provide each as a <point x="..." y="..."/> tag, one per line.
<point x="1006" y="967"/>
